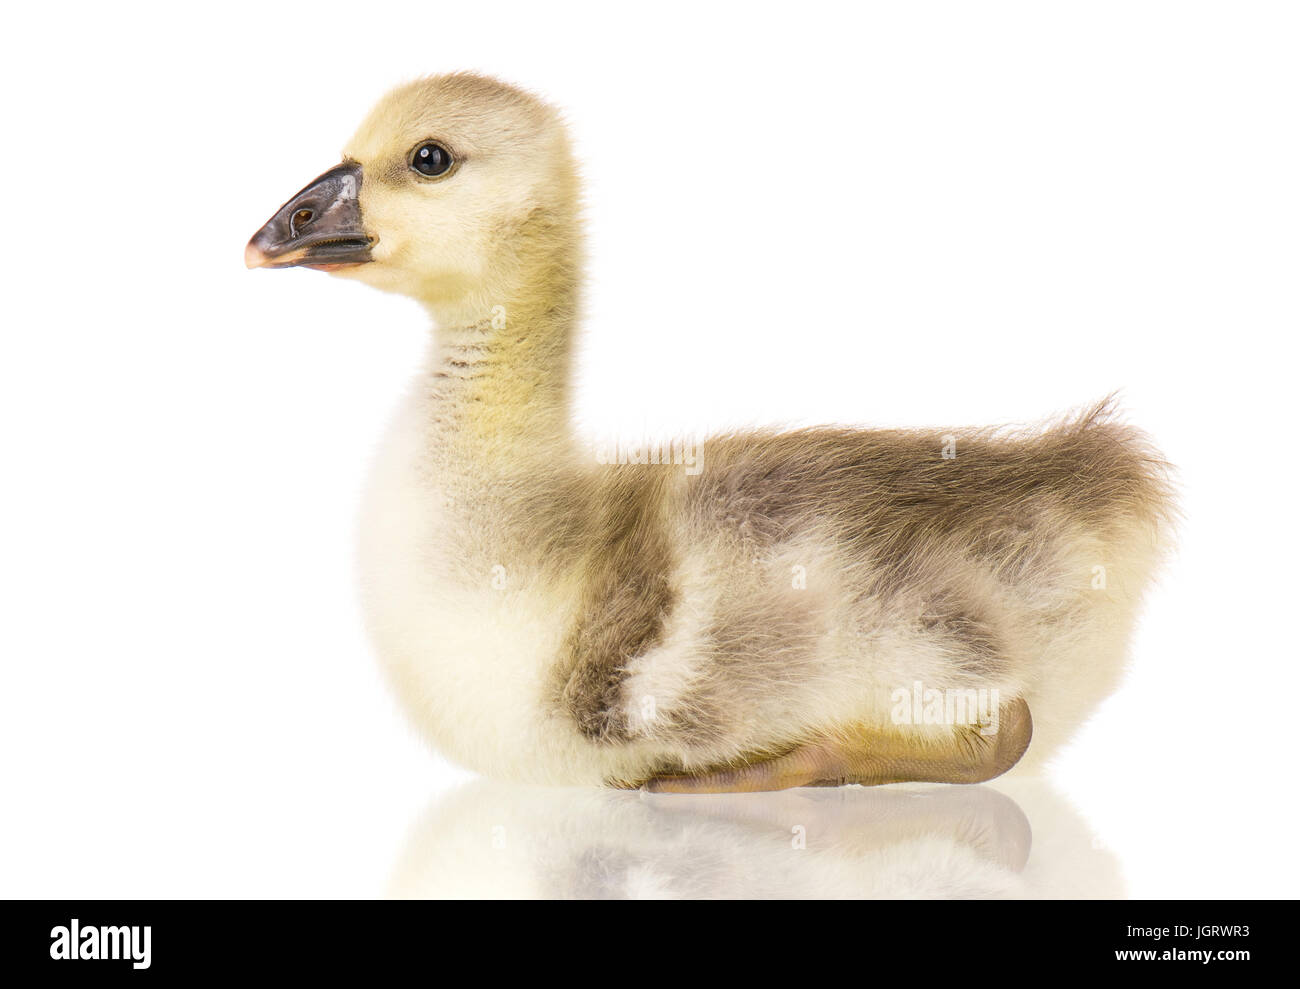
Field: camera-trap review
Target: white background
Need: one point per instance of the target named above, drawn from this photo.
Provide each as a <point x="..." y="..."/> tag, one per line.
<point x="903" y="214"/>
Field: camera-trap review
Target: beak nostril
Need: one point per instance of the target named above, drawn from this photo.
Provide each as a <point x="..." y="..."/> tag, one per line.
<point x="299" y="220"/>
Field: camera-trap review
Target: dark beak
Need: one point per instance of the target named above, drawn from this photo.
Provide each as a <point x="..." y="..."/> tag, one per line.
<point x="319" y="228"/>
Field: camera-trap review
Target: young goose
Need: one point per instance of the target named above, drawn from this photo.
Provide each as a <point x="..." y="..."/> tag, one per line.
<point x="825" y="606"/>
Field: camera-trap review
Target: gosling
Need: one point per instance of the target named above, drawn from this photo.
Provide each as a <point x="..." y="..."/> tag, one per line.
<point x="818" y="607"/>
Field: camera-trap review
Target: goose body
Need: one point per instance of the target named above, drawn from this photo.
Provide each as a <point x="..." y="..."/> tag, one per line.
<point x="775" y="609"/>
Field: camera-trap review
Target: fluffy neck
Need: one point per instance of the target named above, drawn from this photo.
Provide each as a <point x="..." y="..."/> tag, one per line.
<point x="501" y="363"/>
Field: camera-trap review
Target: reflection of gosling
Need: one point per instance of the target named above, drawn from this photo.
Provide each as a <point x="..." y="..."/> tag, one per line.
<point x="551" y="619"/>
<point x="490" y="839"/>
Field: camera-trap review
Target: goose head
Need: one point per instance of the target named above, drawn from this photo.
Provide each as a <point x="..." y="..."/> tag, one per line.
<point x="449" y="190"/>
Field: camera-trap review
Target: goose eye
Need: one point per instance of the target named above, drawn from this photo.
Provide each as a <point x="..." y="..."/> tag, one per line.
<point x="431" y="159"/>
